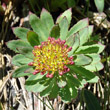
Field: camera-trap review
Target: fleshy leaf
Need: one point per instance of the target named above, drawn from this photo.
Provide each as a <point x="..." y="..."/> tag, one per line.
<point x="54" y="91"/>
<point x="20" y="60"/>
<point x="70" y="40"/>
<point x="87" y="50"/>
<point x="55" y="32"/>
<point x="21" y="32"/>
<point x="77" y="27"/>
<point x="26" y="51"/>
<point x="63" y="28"/>
<point x="47" y="19"/>
<point x="95" y="48"/>
<point x="95" y="65"/>
<point x="82" y="60"/>
<point x="61" y="82"/>
<point x="33" y="38"/>
<point x="67" y="14"/>
<point x="38" y="27"/>
<point x="100" y="5"/>
<point x="33" y="83"/>
<point x="93" y="80"/>
<point x="65" y="94"/>
<point x="82" y="72"/>
<point x="90" y="27"/>
<point x="72" y="89"/>
<point x="74" y="80"/>
<point x="47" y="91"/>
<point x="74" y="42"/>
<point x="20" y="72"/>
<point x="15" y="44"/>
<point x="84" y="35"/>
<point x="91" y="101"/>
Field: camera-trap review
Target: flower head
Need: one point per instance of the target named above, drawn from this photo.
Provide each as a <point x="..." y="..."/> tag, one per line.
<point x="51" y="57"/>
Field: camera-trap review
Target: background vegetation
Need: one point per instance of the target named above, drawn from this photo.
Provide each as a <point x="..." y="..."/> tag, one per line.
<point x="13" y="13"/>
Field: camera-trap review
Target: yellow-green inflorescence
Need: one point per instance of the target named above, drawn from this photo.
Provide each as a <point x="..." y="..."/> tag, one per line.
<point x="51" y="57"/>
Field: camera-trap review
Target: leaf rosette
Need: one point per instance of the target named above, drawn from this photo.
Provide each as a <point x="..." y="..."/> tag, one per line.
<point x="59" y="64"/>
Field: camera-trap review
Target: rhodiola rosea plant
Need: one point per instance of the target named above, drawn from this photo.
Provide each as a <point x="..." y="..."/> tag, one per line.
<point x="58" y="59"/>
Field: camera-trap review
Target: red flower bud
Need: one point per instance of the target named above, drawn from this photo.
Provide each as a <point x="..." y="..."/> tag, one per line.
<point x="47" y="75"/>
<point x="51" y="76"/>
<point x="71" y="58"/>
<point x="42" y="73"/>
<point x="61" y="73"/>
<point x="35" y="47"/>
<point x="72" y="62"/>
<point x="30" y="64"/>
<point x="69" y="49"/>
<point x="63" y="41"/>
<point x="35" y="72"/>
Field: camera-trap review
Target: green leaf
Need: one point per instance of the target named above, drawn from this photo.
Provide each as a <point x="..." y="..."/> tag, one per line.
<point x="90" y="27"/>
<point x="54" y="91"/>
<point x="72" y="89"/>
<point x="82" y="72"/>
<point x="95" y="48"/>
<point x="33" y="83"/>
<point x="91" y="101"/>
<point x="74" y="80"/>
<point x="61" y="82"/>
<point x="65" y="94"/>
<point x="95" y="65"/>
<point x="71" y="40"/>
<point x="47" y="91"/>
<point x="15" y="44"/>
<point x="21" y="32"/>
<point x="94" y="80"/>
<point x="87" y="50"/>
<point x="100" y="5"/>
<point x="27" y="52"/>
<point x="67" y="14"/>
<point x="82" y="60"/>
<point x="77" y="27"/>
<point x="38" y="27"/>
<point x="20" y="72"/>
<point x="84" y="35"/>
<point x="74" y="42"/>
<point x="55" y="32"/>
<point x="47" y="19"/>
<point x="63" y="28"/>
<point x="33" y="38"/>
<point x="20" y="60"/>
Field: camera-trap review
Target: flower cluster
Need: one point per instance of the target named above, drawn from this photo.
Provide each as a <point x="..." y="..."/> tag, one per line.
<point x="51" y="56"/>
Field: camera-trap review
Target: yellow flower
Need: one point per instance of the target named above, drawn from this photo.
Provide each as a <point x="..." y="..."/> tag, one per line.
<point x="51" y="57"/>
